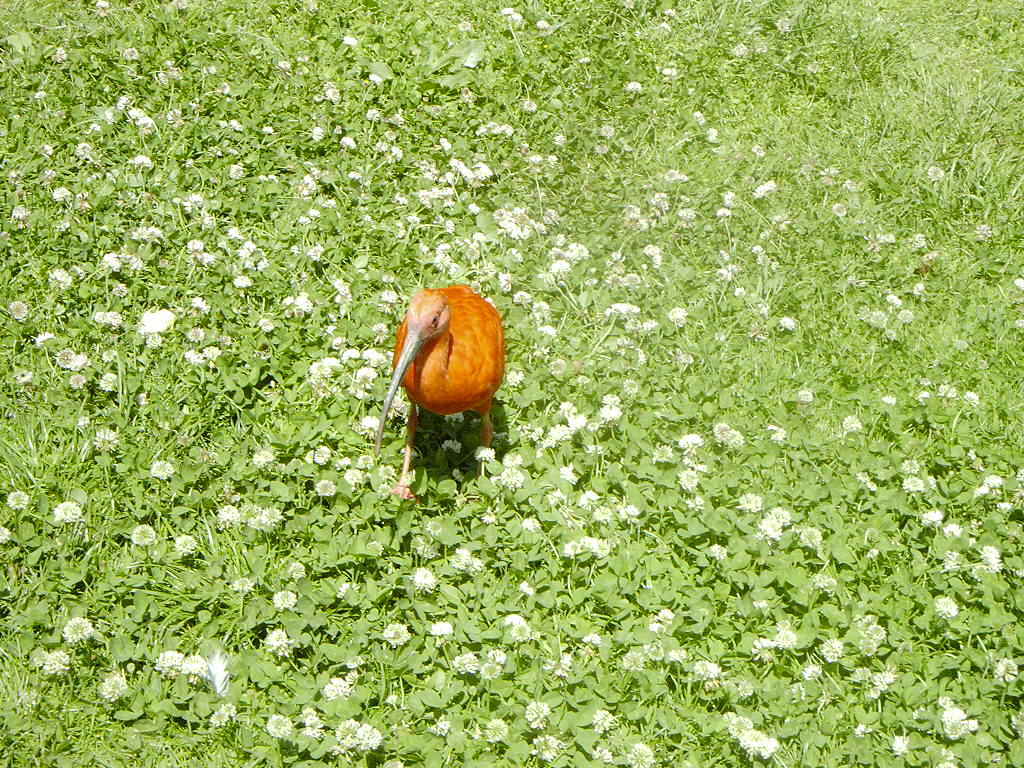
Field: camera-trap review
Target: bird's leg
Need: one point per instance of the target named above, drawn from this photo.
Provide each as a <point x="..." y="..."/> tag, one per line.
<point x="402" y="489"/>
<point x="486" y="435"/>
<point x="486" y="431"/>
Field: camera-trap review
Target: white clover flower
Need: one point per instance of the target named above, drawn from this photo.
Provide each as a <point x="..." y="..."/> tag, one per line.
<point x="900" y="745"/>
<point x="604" y="721"/>
<point x="169" y="663"/>
<point x="156" y="322"/>
<point x="754" y="742"/>
<point x="466" y="664"/>
<point x="717" y="552"/>
<point x="465" y="561"/>
<point x="946" y="607"/>
<point x="851" y="424"/>
<point x="956" y="725"/>
<point x="279" y="726"/>
<point x="1005" y="670"/>
<point x="79" y="630"/>
<point x="832" y="650"/>
<point x="762" y="649"/>
<point x="278" y="643"/>
<point x="547" y="748"/>
<point x="689" y="480"/>
<point x="622" y="309"/>
<point x="263" y="457"/>
<point x="325" y="488"/>
<point x="706" y="670"/>
<point x="19" y="311"/>
<point x="785" y="638"/>
<point x="991" y="559"/>
<point x="161" y="470"/>
<point x="424" y="581"/>
<point x="952" y="530"/>
<point x="52" y="662"/>
<point x="726" y="436"/>
<point x="353" y="736"/>
<point x="750" y="503"/>
<point x="143" y="535"/>
<point x="633" y="661"/>
<point x="811" y="672"/>
<point x="537" y="713"/>
<point x="773" y="524"/>
<point x="518" y="628"/>
<point x="512" y="15"/>
<point x="340" y="687"/>
<point x="313" y="725"/>
<point x="113" y="687"/>
<point x="396" y="635"/>
<point x="60" y="279"/>
<point x="678" y="316"/>
<point x="494" y="663"/>
<point x="263" y="518"/>
<point x="65" y="512"/>
<point x="18" y="500"/>
<point x="640" y="756"/>
<point x="441" y="727"/>
<point x="285" y="600"/>
<point x="913" y="485"/>
<point x="224" y="715"/>
<point x="354" y="477"/>
<point x="194" y="667"/>
<point x="495" y="730"/>
<point x="71" y="360"/>
<point x="442" y="629"/>
<point x="872" y="635"/>
<point x="228" y="516"/>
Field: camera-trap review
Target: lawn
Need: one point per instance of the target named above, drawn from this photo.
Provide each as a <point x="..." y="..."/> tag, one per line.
<point x="758" y="481"/>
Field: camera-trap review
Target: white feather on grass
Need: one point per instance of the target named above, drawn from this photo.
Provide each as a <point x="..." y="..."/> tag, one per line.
<point x="217" y="674"/>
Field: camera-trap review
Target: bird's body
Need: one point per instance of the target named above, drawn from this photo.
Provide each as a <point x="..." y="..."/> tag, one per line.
<point x="459" y="370"/>
<point x="450" y="357"/>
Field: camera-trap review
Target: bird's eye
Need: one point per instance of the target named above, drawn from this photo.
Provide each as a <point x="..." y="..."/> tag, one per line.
<point x="433" y="322"/>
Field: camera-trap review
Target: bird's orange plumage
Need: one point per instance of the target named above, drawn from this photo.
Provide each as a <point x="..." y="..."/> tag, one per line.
<point x="462" y="368"/>
<point x="450" y="357"/>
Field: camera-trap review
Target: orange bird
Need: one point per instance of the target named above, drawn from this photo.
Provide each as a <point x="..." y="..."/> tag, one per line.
<point x="450" y="357"/>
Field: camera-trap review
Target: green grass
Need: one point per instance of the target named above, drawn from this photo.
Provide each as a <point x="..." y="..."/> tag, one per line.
<point x="219" y="175"/>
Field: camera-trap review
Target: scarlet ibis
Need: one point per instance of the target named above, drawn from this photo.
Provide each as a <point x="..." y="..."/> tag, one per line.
<point x="450" y="357"/>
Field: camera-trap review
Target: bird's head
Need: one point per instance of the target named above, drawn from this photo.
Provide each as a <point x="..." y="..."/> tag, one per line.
<point x="429" y="316"/>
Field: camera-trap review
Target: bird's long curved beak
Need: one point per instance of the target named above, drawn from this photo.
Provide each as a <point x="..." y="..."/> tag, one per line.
<point x="414" y="340"/>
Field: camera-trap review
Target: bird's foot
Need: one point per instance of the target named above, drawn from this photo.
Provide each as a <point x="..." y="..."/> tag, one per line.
<point x="402" y="489"/>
